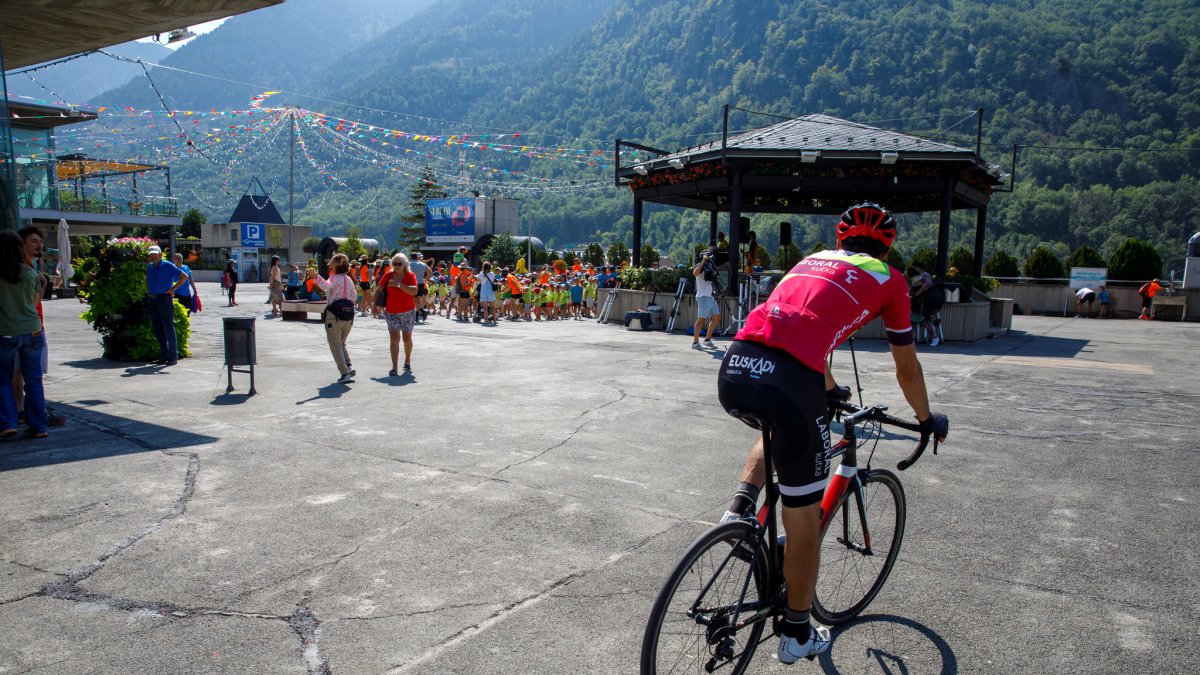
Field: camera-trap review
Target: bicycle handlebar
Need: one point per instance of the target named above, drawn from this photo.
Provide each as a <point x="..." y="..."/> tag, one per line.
<point x="875" y="413"/>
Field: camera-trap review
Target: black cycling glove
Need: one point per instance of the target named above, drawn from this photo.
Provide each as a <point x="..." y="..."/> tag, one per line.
<point x="838" y="393"/>
<point x="936" y="425"/>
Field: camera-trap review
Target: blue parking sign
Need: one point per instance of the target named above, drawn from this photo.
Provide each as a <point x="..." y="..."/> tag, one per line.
<point x="254" y="235"/>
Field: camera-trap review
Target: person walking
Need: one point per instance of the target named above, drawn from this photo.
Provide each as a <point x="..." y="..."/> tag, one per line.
<point x="421" y="270"/>
<point x="1147" y="293"/>
<point x="706" y="302"/>
<point x="21" y="340"/>
<point x="186" y="295"/>
<point x="275" y="285"/>
<point x="162" y="279"/>
<point x="231" y="282"/>
<point x="401" y="311"/>
<point x="487" y="293"/>
<point x="338" y="316"/>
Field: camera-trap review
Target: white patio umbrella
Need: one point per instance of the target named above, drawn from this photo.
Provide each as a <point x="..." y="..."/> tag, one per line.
<point x="64" y="252"/>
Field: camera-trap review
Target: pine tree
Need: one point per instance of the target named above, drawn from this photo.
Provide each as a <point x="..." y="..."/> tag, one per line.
<point x="426" y="187"/>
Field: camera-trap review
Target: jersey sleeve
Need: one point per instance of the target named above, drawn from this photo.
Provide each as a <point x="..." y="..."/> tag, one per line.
<point x="897" y="315"/>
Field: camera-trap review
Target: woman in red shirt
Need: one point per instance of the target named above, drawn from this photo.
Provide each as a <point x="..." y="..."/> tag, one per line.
<point x="400" y="312"/>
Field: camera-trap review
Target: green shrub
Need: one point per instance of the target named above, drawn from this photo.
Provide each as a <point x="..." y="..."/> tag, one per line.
<point x="963" y="260"/>
<point x="927" y="257"/>
<point x="618" y="253"/>
<point x="1001" y="264"/>
<point x="1135" y="260"/>
<point x="896" y="259"/>
<point x="648" y="255"/>
<point x="115" y="291"/>
<point x="1085" y="256"/>
<point x="1043" y="264"/>
<point x="661" y="280"/>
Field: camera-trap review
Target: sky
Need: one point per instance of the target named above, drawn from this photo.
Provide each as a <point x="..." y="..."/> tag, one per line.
<point x="198" y="29"/>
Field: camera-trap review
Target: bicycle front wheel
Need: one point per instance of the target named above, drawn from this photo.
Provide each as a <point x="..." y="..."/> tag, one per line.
<point x="859" y="547"/>
<point x="692" y="626"/>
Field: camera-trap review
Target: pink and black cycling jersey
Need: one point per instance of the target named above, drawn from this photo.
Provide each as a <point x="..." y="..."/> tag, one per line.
<point x="824" y="299"/>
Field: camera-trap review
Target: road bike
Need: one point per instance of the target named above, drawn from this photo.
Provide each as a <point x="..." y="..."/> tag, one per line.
<point x="711" y="613"/>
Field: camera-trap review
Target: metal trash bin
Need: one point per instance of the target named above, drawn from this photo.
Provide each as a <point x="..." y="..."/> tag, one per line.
<point x="657" y="317"/>
<point x="239" y="348"/>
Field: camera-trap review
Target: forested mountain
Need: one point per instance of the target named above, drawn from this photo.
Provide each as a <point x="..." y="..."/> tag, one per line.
<point x="281" y="47"/>
<point x="1100" y="96"/>
<point x="80" y="79"/>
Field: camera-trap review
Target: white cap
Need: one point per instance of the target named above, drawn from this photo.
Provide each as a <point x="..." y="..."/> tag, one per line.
<point x="154" y="249"/>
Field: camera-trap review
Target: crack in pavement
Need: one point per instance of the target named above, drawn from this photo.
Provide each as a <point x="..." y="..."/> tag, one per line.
<point x="302" y="621"/>
<point x="435" y="610"/>
<point x="570" y="435"/>
<point x="515" y="607"/>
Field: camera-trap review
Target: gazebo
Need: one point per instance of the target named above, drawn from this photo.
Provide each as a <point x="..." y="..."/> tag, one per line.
<point x="814" y="164"/>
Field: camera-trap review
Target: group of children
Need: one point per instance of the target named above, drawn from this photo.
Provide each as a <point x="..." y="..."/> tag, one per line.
<point x="485" y="296"/>
<point x="457" y="290"/>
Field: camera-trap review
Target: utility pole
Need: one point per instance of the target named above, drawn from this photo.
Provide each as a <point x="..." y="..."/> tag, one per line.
<point x="291" y="179"/>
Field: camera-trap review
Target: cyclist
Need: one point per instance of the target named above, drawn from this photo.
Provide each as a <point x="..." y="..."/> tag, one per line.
<point x="776" y="369"/>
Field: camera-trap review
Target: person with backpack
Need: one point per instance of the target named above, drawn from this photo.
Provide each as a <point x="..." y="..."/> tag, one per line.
<point x="705" y="273"/>
<point x="338" y="316"/>
<point x="1147" y="293"/>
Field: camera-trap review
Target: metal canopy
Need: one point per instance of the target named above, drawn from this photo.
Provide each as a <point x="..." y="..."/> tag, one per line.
<point x="33" y="32"/>
<point x="813" y="164"/>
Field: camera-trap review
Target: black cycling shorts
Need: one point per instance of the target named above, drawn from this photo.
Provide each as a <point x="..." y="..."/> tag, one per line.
<point x="770" y="383"/>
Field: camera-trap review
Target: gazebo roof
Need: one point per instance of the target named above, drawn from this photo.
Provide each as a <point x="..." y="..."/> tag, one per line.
<point x="813" y="164"/>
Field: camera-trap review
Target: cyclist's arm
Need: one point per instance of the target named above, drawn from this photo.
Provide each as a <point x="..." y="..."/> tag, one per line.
<point x="911" y="378"/>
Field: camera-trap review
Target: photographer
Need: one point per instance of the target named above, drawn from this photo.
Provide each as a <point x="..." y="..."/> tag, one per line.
<point x="705" y="272"/>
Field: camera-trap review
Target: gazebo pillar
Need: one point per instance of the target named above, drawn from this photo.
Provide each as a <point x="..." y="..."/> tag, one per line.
<point x="943" y="252"/>
<point x="735" y="215"/>
<point x="637" y="232"/>
<point x="980" y="225"/>
<point x="712" y="228"/>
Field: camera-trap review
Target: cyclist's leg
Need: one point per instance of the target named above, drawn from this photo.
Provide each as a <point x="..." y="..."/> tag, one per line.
<point x="791" y="397"/>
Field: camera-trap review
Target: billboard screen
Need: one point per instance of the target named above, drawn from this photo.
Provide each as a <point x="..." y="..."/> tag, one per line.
<point x="450" y="221"/>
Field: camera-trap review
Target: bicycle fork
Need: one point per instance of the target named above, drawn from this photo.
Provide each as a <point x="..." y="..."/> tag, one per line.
<point x="846" y="479"/>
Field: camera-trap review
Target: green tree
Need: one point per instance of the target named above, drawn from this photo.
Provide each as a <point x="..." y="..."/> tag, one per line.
<point x="353" y="246"/>
<point x="1134" y="260"/>
<point x="1001" y="264"/>
<point x="618" y="253"/>
<point x="818" y="247"/>
<point x="310" y="244"/>
<point x="1085" y="256"/>
<point x="426" y="187"/>
<point x="927" y="257"/>
<point x="962" y="259"/>
<point x="789" y="255"/>
<point x="1043" y="264"/>
<point x="502" y="250"/>
<point x="896" y="259"/>
<point x="569" y="257"/>
<point x="593" y="253"/>
<point x="192" y="220"/>
<point x="648" y="255"/>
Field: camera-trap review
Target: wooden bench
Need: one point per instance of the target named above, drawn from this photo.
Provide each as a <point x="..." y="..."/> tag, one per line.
<point x="298" y="310"/>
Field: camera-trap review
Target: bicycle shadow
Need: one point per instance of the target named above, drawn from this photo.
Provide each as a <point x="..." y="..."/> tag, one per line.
<point x="888" y="644"/>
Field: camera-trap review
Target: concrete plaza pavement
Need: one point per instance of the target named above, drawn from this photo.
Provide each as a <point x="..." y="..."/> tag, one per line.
<point x="516" y="503"/>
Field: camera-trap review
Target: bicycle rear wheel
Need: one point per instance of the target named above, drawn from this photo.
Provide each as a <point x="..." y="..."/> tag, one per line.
<point x="691" y="626"/>
<point x="859" y="548"/>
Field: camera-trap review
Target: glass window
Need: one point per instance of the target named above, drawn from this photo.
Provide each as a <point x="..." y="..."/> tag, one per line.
<point x="33" y="151"/>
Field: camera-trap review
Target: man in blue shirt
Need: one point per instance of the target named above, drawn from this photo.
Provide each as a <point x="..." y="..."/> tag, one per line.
<point x="188" y="290"/>
<point x="162" y="278"/>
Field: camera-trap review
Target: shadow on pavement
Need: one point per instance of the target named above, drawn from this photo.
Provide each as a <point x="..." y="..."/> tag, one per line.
<point x="89" y="434"/>
<point x="398" y="381"/>
<point x="888" y="638"/>
<point x="231" y="399"/>
<point x="334" y="390"/>
<point x="1015" y="342"/>
<point x="98" y="363"/>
